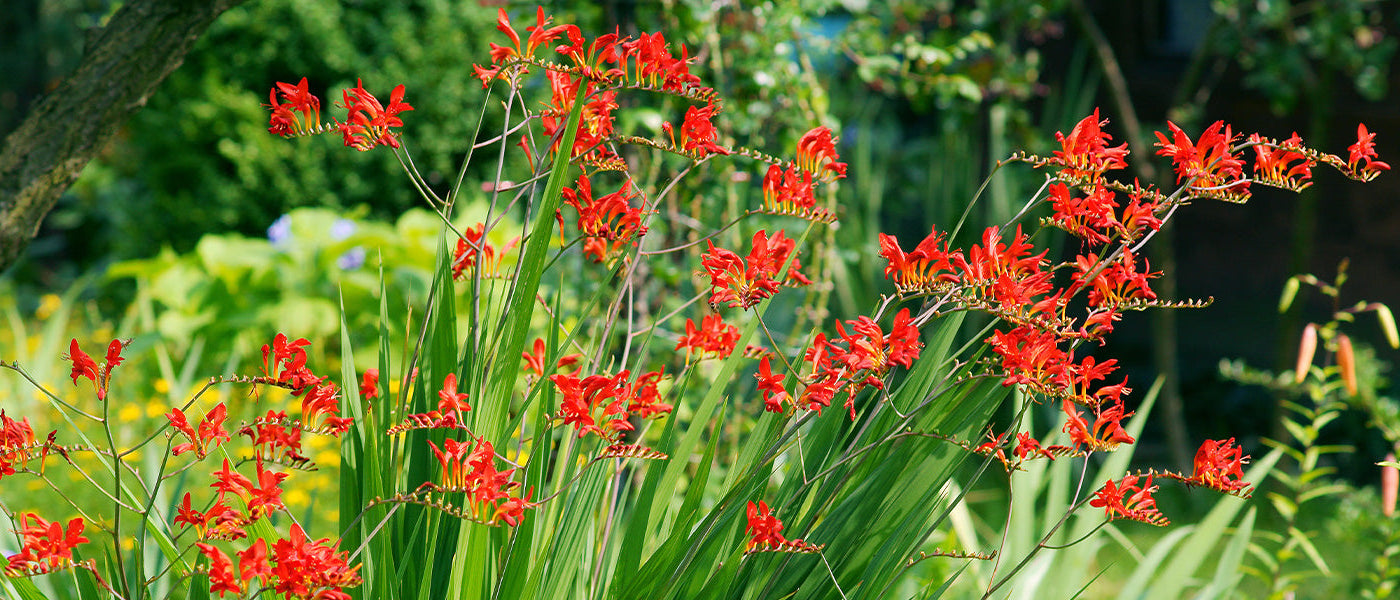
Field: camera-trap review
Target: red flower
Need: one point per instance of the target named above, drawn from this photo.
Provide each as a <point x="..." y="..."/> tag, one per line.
<point x="273" y="439"/>
<point x="320" y="410"/>
<point x="593" y="60"/>
<point x="1031" y="357"/>
<point x="1282" y="163"/>
<point x="1115" y="284"/>
<point x="369" y="384"/>
<point x="775" y="397"/>
<point x="85" y="366"/>
<point x="594" y="398"/>
<point x="611" y="218"/>
<point x="472" y="245"/>
<point x="367" y="122"/>
<point x="713" y="339"/>
<point x="306" y="569"/>
<point x="698" y="134"/>
<point x="17" y="444"/>
<point x="1027" y="445"/>
<point x="470" y="468"/>
<point x="300" y="115"/>
<point x="450" y="400"/>
<point x="792" y="192"/>
<point x="1117" y="502"/>
<point x="1139" y="215"/>
<point x="927" y="267"/>
<point x="1091" y="218"/>
<point x="1107" y="432"/>
<point x="211" y="431"/>
<point x="1361" y="154"/>
<point x="45" y="546"/>
<point x="252" y="562"/>
<point x="535" y="362"/>
<point x="595" y="123"/>
<point x="541" y="34"/>
<point x="647" y="60"/>
<point x="285" y="362"/>
<point x="764" y="529"/>
<point x="1219" y="466"/>
<point x="1085" y="153"/>
<point x="816" y="154"/>
<point x="222" y="579"/>
<point x="1208" y="165"/>
<point x="644" y="399"/>
<point x="744" y="283"/>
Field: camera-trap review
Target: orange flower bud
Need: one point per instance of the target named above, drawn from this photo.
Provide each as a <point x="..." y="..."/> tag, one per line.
<point x="1346" y="361"/>
<point x="1307" y="347"/>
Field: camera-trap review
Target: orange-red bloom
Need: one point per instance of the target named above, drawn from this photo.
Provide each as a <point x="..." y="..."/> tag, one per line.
<point x="1219" y="465"/>
<point x="369" y="384"/>
<point x="1107" y="432"/>
<point x="300" y="115"/>
<point x="1361" y="155"/>
<point x="368" y="122"/>
<point x="764" y="529"/>
<point x="472" y="245"/>
<point x="211" y="431"/>
<point x="307" y="569"/>
<point x="765" y="533"/>
<point x="775" y="397"/>
<point x="1127" y="499"/>
<point x="222" y="578"/>
<point x="816" y="154"/>
<point x="17" y="444"/>
<point x="46" y="546"/>
<point x="698" y="134"/>
<point x="1085" y="153"/>
<point x="1208" y="165"/>
<point x="610" y="219"/>
<point x="1282" y="164"/>
<point x="928" y="266"/>
<point x="746" y="282"/>
<point x="85" y="366"/>
<point x="470" y="468"/>
<point x="713" y="339"/>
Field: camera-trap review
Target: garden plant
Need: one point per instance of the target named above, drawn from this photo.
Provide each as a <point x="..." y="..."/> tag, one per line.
<point x="638" y="392"/>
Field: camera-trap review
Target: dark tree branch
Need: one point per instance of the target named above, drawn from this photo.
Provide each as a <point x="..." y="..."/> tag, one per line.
<point x="142" y="43"/>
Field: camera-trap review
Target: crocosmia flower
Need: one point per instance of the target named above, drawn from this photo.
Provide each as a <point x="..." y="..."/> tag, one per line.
<point x="46" y="546"/>
<point x="1130" y="498"/>
<point x="744" y="282"/>
<point x="299" y="112"/>
<point x="85" y="367"/>
<point x="1361" y="155"/>
<point x="368" y="123"/>
<point x="765" y="533"/>
<point x="1085" y="153"/>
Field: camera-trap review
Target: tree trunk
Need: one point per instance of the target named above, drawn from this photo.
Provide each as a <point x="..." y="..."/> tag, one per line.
<point x="142" y="43"/>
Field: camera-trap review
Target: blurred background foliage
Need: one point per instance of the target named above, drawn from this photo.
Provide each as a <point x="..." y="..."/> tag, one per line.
<point x="172" y="223"/>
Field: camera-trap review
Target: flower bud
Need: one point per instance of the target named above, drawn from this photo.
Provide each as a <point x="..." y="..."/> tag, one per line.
<point x="1346" y="361"/>
<point x="1390" y="484"/>
<point x="1307" y="347"/>
<point x="1388" y="325"/>
<point x="1290" y="290"/>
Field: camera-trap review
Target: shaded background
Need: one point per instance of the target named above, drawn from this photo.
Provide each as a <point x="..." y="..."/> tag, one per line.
<point x="926" y="96"/>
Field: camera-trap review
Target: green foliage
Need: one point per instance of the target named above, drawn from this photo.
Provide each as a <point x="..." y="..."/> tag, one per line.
<point x="198" y="158"/>
<point x="1292" y="52"/>
<point x="314" y="263"/>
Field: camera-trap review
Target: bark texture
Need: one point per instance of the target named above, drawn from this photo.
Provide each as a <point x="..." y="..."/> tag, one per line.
<point x="141" y="44"/>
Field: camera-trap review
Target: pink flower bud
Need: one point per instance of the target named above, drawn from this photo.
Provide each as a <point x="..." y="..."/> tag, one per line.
<point x="1307" y="347"/>
<point x="1390" y="484"/>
